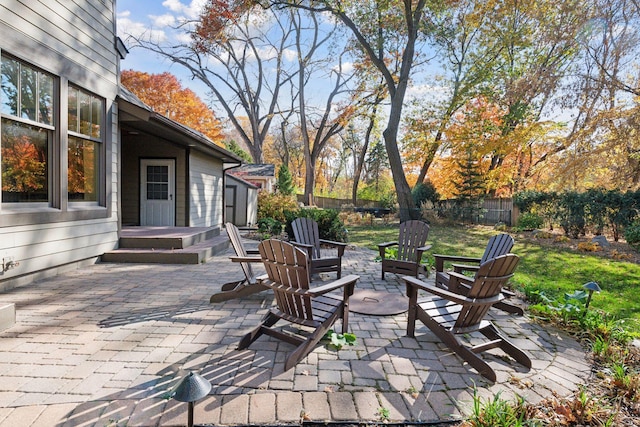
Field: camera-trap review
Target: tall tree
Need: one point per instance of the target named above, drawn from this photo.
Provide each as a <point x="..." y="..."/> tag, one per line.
<point x="240" y="54"/>
<point x="164" y="93"/>
<point x="388" y="33"/>
<point x="317" y="125"/>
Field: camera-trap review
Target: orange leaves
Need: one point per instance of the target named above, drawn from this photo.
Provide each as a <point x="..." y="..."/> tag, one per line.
<point x="164" y="93"/>
<point x="215" y="19"/>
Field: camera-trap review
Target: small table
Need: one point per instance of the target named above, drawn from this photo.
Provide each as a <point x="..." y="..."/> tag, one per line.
<point x="377" y="303"/>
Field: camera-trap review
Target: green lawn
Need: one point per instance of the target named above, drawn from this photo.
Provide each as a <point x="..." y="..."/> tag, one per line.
<point x="553" y="270"/>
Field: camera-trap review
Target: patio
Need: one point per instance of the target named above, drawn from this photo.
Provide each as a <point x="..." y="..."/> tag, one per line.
<point x="104" y="345"/>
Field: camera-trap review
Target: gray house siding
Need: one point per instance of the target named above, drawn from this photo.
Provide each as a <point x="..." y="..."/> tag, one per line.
<point x="74" y="42"/>
<point x="205" y="190"/>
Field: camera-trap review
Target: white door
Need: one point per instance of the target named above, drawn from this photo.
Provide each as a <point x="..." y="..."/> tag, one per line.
<point x="157" y="204"/>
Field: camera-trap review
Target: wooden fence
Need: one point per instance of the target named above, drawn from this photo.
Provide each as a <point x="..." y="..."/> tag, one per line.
<point x="491" y="212"/>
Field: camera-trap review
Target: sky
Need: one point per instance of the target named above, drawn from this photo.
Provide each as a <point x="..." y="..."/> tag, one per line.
<point x="155" y="17"/>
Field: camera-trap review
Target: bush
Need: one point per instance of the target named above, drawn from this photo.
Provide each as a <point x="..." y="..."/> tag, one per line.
<point x="529" y="221"/>
<point x="424" y="192"/>
<point x="330" y="226"/>
<point x="632" y="235"/>
<point x="274" y="205"/>
<point x="270" y="226"/>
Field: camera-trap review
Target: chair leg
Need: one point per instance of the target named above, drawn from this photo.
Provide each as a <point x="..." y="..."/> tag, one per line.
<point x="309" y="344"/>
<point x="509" y="308"/>
<point x="452" y="342"/>
<point x="269" y="320"/>
<point x="505" y="345"/>
<point x="241" y="290"/>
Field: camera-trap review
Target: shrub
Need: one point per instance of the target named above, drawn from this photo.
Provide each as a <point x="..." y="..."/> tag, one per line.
<point x="330" y="226"/>
<point x="270" y="226"/>
<point x="632" y="235"/>
<point x="572" y="213"/>
<point x="424" y="192"/>
<point x="274" y="205"/>
<point x="529" y="221"/>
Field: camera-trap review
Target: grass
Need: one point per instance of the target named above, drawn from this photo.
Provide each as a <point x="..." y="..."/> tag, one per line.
<point x="555" y="270"/>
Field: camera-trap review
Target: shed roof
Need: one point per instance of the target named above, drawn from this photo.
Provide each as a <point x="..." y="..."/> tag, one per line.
<point x="254" y="170"/>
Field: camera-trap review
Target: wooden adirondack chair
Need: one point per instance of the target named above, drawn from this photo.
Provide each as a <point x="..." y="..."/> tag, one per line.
<point x="411" y="245"/>
<point x="499" y="244"/>
<point x="307" y="237"/>
<point x="312" y="308"/>
<point x="247" y="286"/>
<point x="448" y="314"/>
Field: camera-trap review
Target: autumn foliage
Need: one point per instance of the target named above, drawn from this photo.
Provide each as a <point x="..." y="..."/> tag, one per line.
<point x="164" y="93"/>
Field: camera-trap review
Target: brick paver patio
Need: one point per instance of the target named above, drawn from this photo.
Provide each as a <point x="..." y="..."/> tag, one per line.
<point x="104" y="345"/>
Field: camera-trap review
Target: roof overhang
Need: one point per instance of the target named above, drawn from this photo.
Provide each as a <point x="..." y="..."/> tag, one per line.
<point x="135" y="116"/>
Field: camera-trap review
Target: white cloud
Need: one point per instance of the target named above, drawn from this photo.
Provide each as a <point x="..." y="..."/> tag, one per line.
<point x="290" y="55"/>
<point x="191" y="11"/>
<point x="138" y="30"/>
<point x="347" y="67"/>
<point x="166" y="20"/>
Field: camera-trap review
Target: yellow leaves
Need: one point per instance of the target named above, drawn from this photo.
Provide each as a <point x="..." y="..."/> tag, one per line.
<point x="589" y="247"/>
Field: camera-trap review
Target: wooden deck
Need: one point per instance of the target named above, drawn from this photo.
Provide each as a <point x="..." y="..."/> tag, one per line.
<point x="168" y="245"/>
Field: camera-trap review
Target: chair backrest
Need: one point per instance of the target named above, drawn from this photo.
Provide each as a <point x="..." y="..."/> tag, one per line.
<point x="500" y="244"/>
<point x="288" y="267"/>
<point x="305" y="230"/>
<point x="488" y="282"/>
<point x="413" y="234"/>
<point x="238" y="247"/>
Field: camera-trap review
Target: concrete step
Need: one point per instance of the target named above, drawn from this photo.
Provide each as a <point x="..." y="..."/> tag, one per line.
<point x="193" y="254"/>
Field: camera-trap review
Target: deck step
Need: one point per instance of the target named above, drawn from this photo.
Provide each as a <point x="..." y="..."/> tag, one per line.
<point x="195" y="251"/>
<point x="165" y="237"/>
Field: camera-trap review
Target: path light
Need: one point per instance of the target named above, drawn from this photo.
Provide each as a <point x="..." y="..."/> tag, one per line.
<point x="191" y="388"/>
<point x="591" y="287"/>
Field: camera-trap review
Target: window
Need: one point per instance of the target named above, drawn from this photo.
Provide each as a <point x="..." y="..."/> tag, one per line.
<point x="157" y="182"/>
<point x="85" y="137"/>
<point x="27" y="107"/>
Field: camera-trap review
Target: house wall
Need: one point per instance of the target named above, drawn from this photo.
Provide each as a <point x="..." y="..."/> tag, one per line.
<point x="252" y="206"/>
<point x="246" y="203"/>
<point x="73" y="41"/>
<point x="135" y="148"/>
<point x="206" y="190"/>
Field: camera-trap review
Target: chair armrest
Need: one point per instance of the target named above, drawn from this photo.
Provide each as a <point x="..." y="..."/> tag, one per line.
<point x="459" y="283"/>
<point x="336" y="284"/>
<point x="305" y="247"/>
<point x="338" y="245"/>
<point x="263" y="280"/>
<point x="348" y="281"/>
<point x="440" y="260"/>
<point x="459" y="268"/>
<point x="245" y="259"/>
<point x="383" y="246"/>
<point x="412" y="282"/>
<point x="420" y="251"/>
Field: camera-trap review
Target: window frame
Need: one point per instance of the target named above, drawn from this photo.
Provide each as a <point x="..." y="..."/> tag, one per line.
<point x="100" y="150"/>
<point x="58" y="208"/>
<point x="52" y="144"/>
